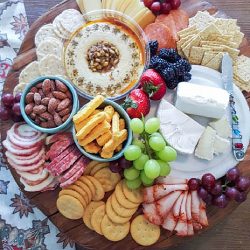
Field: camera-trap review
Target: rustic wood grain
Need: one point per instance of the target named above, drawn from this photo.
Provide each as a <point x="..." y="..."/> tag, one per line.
<point x="232" y="233"/>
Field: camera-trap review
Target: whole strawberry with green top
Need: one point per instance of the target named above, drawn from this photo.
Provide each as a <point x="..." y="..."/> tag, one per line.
<point x="153" y="84"/>
<point x="137" y="104"/>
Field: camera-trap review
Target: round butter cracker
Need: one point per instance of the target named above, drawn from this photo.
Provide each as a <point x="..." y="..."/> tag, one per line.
<point x="98" y="167"/>
<point x="132" y="195"/>
<point x="51" y="65"/>
<point x="113" y="231"/>
<point x="89" y="184"/>
<point x="74" y="194"/>
<point x="70" y="207"/>
<point x="97" y="217"/>
<point x="85" y="189"/>
<point x="143" y="232"/>
<point x="89" y="167"/>
<point x="99" y="191"/>
<point x="30" y="72"/>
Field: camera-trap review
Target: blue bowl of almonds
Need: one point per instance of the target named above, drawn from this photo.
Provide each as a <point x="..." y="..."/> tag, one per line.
<point x="48" y="104"/>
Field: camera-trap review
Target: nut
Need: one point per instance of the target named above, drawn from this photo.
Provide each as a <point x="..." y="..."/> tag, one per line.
<point x="34" y="90"/>
<point x="52" y="105"/>
<point x="59" y="95"/>
<point x="50" y="95"/>
<point x="46" y="86"/>
<point x="39" y="85"/>
<point x="63" y="104"/>
<point x="37" y="98"/>
<point x="61" y="86"/>
<point x="51" y="124"/>
<point x="65" y="111"/>
<point x="33" y="115"/>
<point x="68" y="94"/>
<point x="39" y="109"/>
<point x="37" y="121"/>
<point x="45" y="101"/>
<point x="47" y="116"/>
<point x="29" y="97"/>
<point x="40" y="91"/>
<point x="65" y="117"/>
<point x="57" y="119"/>
<point x="53" y="85"/>
<point x="29" y="108"/>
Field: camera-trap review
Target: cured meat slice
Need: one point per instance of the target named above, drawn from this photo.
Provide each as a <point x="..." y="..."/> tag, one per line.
<point x="189" y="215"/>
<point x="51" y="186"/>
<point x="156" y="192"/>
<point x="38" y="187"/>
<point x="36" y="171"/>
<point x="33" y="177"/>
<point x="26" y="162"/>
<point x="66" y="163"/>
<point x="24" y="158"/>
<point x="164" y="205"/>
<point x="72" y="179"/>
<point x="169" y="222"/>
<point x="34" y="183"/>
<point x="58" y="147"/>
<point x="171" y="180"/>
<point x="168" y="20"/>
<point x="20" y="151"/>
<point x="25" y="132"/>
<point x="195" y="206"/>
<point x="161" y="33"/>
<point x="80" y="164"/>
<point x="60" y="157"/>
<point x="181" y="227"/>
<point x="177" y="206"/>
<point x="58" y="137"/>
<point x="203" y="216"/>
<point x="150" y="213"/>
<point x="26" y="168"/>
<point x="181" y="19"/>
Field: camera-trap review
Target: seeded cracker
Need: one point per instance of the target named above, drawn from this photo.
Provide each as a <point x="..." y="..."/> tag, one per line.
<point x="44" y="32"/>
<point x="196" y="55"/>
<point x="210" y="29"/>
<point x="215" y="63"/>
<point x="19" y="88"/>
<point x="201" y="20"/>
<point x="30" y="72"/>
<point x="59" y="30"/>
<point x="208" y="56"/>
<point x="51" y="65"/>
<point x="192" y="30"/>
<point x="227" y="26"/>
<point x="195" y="42"/>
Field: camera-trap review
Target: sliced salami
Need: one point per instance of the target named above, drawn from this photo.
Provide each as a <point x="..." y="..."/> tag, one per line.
<point x="60" y="157"/>
<point x="58" y="147"/>
<point x="26" y="161"/>
<point x="80" y="164"/>
<point x="72" y="179"/>
<point x="66" y="163"/>
<point x="16" y="150"/>
<point x="38" y="187"/>
<point x="58" y="137"/>
<point x="36" y="171"/>
<point x="33" y="177"/>
<point x="24" y="131"/>
<point x="34" y="183"/>
<point x="26" y="168"/>
<point x="53" y="185"/>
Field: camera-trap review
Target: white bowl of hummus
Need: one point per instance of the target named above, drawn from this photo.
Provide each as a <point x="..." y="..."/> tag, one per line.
<point x="107" y="55"/>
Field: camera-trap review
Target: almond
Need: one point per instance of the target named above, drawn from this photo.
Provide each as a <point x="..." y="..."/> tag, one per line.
<point x="57" y="119"/>
<point x="61" y="86"/>
<point x="53" y="85"/>
<point x="46" y="86"/>
<point x="37" y="121"/>
<point x="47" y="116"/>
<point x="52" y="105"/>
<point x="34" y="90"/>
<point x="33" y="115"/>
<point x="65" y="111"/>
<point x="40" y="91"/>
<point x="51" y="124"/>
<point x="45" y="101"/>
<point x="39" y="109"/>
<point x="64" y="119"/>
<point x="63" y="104"/>
<point x="29" y="98"/>
<point x="44" y="124"/>
<point x="39" y="85"/>
<point x="68" y="94"/>
<point x="37" y="98"/>
<point x="59" y="95"/>
<point x="29" y="108"/>
<point x="50" y="95"/>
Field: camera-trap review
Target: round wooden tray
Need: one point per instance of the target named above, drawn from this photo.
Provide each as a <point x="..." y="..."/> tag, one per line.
<point x="46" y="201"/>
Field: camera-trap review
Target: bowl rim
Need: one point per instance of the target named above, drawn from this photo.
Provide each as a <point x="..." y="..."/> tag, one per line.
<point x="118" y="155"/>
<point x="75" y="105"/>
<point x="110" y="14"/>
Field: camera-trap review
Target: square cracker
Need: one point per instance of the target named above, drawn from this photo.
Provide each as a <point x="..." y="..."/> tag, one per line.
<point x="238" y="38"/>
<point x="242" y="85"/>
<point x="215" y="63"/>
<point x="196" y="55"/>
<point x="210" y="29"/>
<point x="226" y="26"/>
<point x="214" y="37"/>
<point x="202" y="19"/>
<point x="208" y="56"/>
<point x="194" y="42"/>
<point x="192" y="30"/>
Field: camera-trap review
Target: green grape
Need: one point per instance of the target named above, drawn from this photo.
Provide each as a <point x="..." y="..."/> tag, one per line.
<point x="165" y="168"/>
<point x="140" y="162"/>
<point x="138" y="143"/>
<point x="157" y="134"/>
<point x="132" y="152"/>
<point x="134" y="184"/>
<point x="145" y="180"/>
<point x="152" y="169"/>
<point x="152" y="125"/>
<point x="131" y="173"/>
<point x="157" y="143"/>
<point x="137" y="126"/>
<point x="167" y="154"/>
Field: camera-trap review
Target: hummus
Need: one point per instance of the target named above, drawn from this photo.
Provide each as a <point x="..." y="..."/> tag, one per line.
<point x="121" y="71"/>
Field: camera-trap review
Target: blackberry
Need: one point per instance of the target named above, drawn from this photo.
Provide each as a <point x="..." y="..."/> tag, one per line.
<point x="187" y="77"/>
<point x="186" y="64"/>
<point x="164" y="54"/>
<point x="168" y="74"/>
<point x="153" y="62"/>
<point x="158" y="64"/>
<point x="171" y="55"/>
<point x="172" y="84"/>
<point x="153" y="47"/>
<point x="179" y="69"/>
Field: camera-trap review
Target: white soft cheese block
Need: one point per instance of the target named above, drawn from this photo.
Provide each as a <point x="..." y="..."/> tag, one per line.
<point x="205" y="147"/>
<point x="221" y="145"/>
<point x="201" y="100"/>
<point x="179" y="130"/>
<point x="222" y="127"/>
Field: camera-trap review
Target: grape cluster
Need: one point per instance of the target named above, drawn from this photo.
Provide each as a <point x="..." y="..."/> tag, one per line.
<point x="232" y="187"/>
<point x="170" y="65"/>
<point x="148" y="154"/>
<point x="10" y="108"/>
<point x="162" y="6"/>
<point x="119" y="165"/>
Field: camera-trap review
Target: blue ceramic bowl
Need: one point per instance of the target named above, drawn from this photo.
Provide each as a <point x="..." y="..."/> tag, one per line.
<point x="67" y="123"/>
<point x="124" y="115"/>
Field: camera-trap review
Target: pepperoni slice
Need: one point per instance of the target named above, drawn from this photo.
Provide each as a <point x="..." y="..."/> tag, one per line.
<point x="181" y="19"/>
<point x="161" y="33"/>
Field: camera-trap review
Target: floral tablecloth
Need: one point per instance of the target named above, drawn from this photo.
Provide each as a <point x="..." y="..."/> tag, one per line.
<point x="22" y="225"/>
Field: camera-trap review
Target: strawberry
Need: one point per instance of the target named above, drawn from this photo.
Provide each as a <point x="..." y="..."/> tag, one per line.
<point x="153" y="84"/>
<point x="137" y="104"/>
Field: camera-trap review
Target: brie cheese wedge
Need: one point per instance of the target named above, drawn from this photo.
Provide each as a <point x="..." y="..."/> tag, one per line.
<point x="179" y="130"/>
<point x="205" y="147"/>
<point x="222" y="127"/>
<point x="221" y="145"/>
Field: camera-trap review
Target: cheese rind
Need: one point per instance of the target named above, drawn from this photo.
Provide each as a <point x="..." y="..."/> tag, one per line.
<point x="205" y="147"/>
<point x="222" y="127"/>
<point x="201" y="100"/>
<point x="179" y="130"/>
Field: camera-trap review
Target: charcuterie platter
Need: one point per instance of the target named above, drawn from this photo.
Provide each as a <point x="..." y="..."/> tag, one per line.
<point x="128" y="127"/>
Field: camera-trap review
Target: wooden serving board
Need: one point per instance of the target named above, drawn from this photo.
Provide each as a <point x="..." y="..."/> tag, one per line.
<point x="46" y="201"/>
